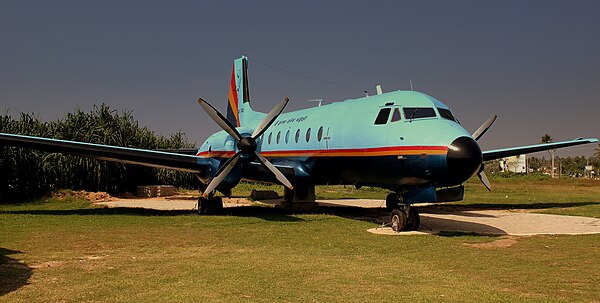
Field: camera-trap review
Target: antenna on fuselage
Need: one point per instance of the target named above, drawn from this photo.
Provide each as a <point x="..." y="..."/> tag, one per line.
<point x="316" y="100"/>
<point x="378" y="88"/>
<point x="411" y="88"/>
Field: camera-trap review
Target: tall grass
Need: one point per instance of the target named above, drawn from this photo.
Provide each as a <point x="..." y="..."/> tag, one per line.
<point x="26" y="173"/>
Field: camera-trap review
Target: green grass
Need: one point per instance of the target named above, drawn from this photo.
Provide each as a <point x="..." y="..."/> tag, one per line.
<point x="567" y="196"/>
<point x="70" y="251"/>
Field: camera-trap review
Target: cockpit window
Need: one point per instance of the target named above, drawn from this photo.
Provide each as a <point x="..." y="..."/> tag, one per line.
<point x="446" y="114"/>
<point x="383" y="115"/>
<point x="396" y="115"/>
<point x="418" y="112"/>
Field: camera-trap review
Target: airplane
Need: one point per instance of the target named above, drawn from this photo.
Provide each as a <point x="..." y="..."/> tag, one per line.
<point x="404" y="141"/>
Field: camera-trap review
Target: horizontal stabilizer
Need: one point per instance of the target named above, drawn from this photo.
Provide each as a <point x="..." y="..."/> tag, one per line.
<point x="514" y="151"/>
<point x="152" y="158"/>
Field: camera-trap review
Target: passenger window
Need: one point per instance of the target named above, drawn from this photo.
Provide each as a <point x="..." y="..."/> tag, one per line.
<point x="287" y="136"/>
<point x="320" y="134"/>
<point x="418" y="112"/>
<point x="383" y="115"/>
<point x="308" y="135"/>
<point x="396" y="115"/>
<point x="278" y="136"/>
<point x="269" y="141"/>
<point x="297" y="135"/>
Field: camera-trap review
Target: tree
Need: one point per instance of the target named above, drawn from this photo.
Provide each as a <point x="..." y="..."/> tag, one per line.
<point x="547" y="139"/>
<point x="535" y="163"/>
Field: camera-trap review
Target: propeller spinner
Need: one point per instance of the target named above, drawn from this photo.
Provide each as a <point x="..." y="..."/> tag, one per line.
<point x="246" y="145"/>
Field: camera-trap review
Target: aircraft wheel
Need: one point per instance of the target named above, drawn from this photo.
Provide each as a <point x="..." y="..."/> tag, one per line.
<point x="391" y="201"/>
<point x="203" y="206"/>
<point x="398" y="220"/>
<point x="414" y="220"/>
<point x="217" y="204"/>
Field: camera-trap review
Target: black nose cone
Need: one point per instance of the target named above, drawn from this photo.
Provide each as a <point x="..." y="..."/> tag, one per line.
<point x="464" y="159"/>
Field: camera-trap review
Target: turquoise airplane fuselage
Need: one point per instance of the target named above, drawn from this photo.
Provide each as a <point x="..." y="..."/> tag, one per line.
<point x="391" y="140"/>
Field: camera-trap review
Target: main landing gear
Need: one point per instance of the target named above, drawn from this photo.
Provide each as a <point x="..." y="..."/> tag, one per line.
<point x="210" y="205"/>
<point x="403" y="217"/>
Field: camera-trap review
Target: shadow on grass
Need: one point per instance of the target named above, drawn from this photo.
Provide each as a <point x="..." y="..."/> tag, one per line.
<point x="509" y="206"/>
<point x="428" y="223"/>
<point x="101" y="211"/>
<point x="265" y="213"/>
<point x="372" y="215"/>
<point x="13" y="274"/>
<point x="455" y="234"/>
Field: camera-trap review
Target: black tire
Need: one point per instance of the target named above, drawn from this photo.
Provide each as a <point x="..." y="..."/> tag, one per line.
<point x="203" y="206"/>
<point x="217" y="204"/>
<point x="391" y="201"/>
<point x="398" y="220"/>
<point x="414" y="220"/>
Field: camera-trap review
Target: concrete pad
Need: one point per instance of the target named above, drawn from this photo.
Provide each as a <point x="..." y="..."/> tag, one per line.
<point x="499" y="222"/>
<point x="494" y="222"/>
<point x="162" y="203"/>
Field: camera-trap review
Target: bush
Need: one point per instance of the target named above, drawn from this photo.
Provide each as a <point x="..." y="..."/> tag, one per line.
<point x="27" y="173"/>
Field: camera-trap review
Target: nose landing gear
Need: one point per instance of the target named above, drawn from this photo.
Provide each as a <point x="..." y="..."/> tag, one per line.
<point x="403" y="216"/>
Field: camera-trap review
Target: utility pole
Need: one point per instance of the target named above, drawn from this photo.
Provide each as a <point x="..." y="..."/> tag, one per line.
<point x="587" y="173"/>
<point x="552" y="153"/>
<point x="559" y="169"/>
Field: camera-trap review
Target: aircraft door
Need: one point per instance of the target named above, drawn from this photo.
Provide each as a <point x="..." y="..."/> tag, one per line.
<point x="323" y="136"/>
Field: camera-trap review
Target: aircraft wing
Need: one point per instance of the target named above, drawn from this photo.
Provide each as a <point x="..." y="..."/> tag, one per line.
<point x="514" y="151"/>
<point x="153" y="158"/>
<point x="185" y="151"/>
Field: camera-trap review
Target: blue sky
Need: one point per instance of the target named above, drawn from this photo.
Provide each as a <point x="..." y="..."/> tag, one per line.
<point x="535" y="64"/>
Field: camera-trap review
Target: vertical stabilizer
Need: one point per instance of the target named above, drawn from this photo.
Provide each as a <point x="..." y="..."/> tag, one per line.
<point x="239" y="96"/>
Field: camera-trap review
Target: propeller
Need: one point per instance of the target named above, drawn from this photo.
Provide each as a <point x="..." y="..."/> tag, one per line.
<point x="476" y="135"/>
<point x="484" y="127"/>
<point x="246" y="145"/>
<point x="484" y="179"/>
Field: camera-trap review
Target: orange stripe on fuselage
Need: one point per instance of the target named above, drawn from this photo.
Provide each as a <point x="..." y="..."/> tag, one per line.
<point x="233" y="97"/>
<point x="351" y="152"/>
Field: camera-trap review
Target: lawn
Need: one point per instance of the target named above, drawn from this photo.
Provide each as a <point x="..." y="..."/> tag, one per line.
<point x="66" y="250"/>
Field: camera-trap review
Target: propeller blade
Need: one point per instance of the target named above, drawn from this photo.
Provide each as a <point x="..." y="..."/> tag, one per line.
<point x="221" y="174"/>
<point x="484" y="180"/>
<point x="484" y="127"/>
<point x="219" y="119"/>
<point x="268" y="165"/>
<point x="270" y="118"/>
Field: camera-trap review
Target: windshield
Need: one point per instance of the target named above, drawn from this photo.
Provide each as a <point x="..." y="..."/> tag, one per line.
<point x="418" y="112"/>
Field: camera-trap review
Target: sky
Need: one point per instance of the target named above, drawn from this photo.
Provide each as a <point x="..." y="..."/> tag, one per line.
<point x="536" y="64"/>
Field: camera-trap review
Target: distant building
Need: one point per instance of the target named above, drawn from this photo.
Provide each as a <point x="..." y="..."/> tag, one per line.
<point x="515" y="164"/>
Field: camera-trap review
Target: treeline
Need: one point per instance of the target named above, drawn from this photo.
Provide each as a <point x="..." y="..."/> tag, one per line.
<point x="565" y="166"/>
<point x="26" y="173"/>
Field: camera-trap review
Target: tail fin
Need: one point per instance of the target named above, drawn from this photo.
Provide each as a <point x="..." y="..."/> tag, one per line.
<point x="238" y="91"/>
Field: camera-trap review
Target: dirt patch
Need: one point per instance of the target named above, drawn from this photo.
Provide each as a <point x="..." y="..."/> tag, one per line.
<point x="504" y="242"/>
<point x="237" y="200"/>
<point x="98" y="197"/>
<point x="93" y="197"/>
